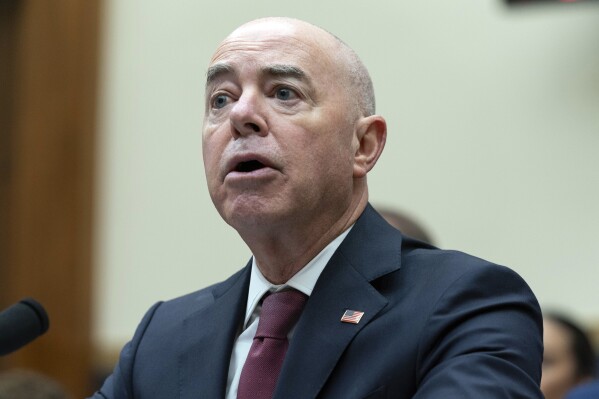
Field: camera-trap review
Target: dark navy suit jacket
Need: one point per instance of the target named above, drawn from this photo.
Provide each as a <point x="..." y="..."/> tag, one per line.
<point x="436" y="324"/>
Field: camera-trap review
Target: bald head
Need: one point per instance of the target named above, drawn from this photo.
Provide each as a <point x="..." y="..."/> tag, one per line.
<point x="350" y="71"/>
<point x="289" y="136"/>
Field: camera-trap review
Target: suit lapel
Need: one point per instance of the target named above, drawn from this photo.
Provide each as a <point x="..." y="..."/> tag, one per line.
<point x="207" y="341"/>
<point x="371" y="250"/>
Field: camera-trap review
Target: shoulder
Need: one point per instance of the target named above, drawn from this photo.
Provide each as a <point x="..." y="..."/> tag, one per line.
<point x="454" y="270"/>
<point x="474" y="315"/>
<point x="162" y="323"/>
<point x="181" y="307"/>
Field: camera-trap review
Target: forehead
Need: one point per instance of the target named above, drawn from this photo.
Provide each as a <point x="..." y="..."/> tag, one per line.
<point x="280" y="43"/>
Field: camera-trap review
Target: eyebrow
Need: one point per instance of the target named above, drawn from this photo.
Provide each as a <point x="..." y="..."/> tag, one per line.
<point x="276" y="70"/>
<point x="285" y="71"/>
<point x="217" y="70"/>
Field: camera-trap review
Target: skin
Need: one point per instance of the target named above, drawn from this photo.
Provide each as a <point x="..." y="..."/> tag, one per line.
<point x="276" y="93"/>
<point x="559" y="366"/>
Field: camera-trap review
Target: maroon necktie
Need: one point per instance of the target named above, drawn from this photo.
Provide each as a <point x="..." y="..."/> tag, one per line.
<point x="280" y="311"/>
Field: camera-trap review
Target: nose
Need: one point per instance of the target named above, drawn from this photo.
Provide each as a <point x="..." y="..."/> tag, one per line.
<point x="247" y="116"/>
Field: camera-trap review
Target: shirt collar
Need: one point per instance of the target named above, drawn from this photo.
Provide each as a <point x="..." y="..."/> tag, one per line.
<point x="303" y="281"/>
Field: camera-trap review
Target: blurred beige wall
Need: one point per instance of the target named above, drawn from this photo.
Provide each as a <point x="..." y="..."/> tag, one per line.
<point x="493" y="118"/>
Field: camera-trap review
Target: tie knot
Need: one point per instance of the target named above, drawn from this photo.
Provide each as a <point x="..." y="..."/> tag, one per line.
<point x="280" y="311"/>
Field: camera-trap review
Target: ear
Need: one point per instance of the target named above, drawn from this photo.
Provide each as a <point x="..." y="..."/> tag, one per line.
<point x="369" y="141"/>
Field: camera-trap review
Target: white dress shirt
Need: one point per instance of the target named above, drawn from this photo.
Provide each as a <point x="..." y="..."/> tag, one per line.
<point x="303" y="281"/>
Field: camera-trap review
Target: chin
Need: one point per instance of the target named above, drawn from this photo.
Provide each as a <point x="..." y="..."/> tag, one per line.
<point x="255" y="224"/>
<point x="251" y="214"/>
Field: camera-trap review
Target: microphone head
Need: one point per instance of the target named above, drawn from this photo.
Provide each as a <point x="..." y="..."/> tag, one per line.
<point x="20" y="324"/>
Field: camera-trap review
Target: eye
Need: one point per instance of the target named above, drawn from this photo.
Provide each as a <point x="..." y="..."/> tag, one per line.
<point x="220" y="101"/>
<point x="284" y="93"/>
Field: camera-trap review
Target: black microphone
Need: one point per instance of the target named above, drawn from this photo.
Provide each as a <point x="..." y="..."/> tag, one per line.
<point x="20" y="324"/>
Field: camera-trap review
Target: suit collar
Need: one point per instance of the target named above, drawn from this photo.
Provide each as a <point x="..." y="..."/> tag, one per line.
<point x="371" y="250"/>
<point x="303" y="281"/>
<point x="373" y="247"/>
<point x="208" y="336"/>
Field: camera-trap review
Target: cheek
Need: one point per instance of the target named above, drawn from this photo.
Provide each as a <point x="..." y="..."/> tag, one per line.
<point x="321" y="158"/>
<point x="214" y="140"/>
<point x="331" y="143"/>
<point x="211" y="155"/>
<point x="206" y="155"/>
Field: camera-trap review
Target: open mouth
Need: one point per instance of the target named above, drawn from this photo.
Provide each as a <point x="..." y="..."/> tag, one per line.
<point x="249" y="166"/>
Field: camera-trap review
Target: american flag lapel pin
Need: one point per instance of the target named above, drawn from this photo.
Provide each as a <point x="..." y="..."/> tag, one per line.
<point x="352" y="316"/>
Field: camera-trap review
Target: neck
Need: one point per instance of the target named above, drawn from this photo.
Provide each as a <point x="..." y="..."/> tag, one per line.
<point x="281" y="253"/>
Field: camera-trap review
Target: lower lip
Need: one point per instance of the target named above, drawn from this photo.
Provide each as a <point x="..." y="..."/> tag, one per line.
<point x="261" y="173"/>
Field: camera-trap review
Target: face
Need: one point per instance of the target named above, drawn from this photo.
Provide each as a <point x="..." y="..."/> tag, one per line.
<point x="279" y="136"/>
<point x="559" y="366"/>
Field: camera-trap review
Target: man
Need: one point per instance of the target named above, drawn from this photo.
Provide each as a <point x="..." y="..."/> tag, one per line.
<point x="290" y="133"/>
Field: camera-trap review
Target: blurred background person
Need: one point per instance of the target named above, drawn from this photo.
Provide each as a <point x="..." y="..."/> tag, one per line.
<point x="586" y="391"/>
<point x="24" y="384"/>
<point x="568" y="360"/>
